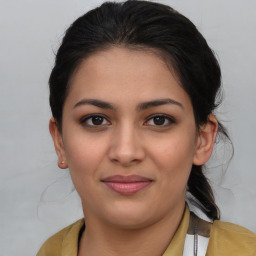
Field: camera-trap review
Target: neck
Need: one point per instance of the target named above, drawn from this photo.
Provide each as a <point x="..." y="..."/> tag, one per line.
<point x="104" y="239"/>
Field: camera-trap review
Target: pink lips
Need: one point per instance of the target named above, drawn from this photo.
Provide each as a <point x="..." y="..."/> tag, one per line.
<point x="126" y="185"/>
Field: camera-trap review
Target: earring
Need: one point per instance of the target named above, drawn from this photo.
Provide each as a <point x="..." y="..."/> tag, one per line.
<point x="62" y="162"/>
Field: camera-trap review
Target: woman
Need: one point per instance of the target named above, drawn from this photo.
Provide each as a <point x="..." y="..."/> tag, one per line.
<point x="132" y="94"/>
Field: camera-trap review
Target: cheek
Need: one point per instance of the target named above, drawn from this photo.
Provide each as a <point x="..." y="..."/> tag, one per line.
<point x="173" y="152"/>
<point x="84" y="155"/>
<point x="173" y="157"/>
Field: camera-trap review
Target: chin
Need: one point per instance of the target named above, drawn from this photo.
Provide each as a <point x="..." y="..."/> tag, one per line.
<point x="130" y="216"/>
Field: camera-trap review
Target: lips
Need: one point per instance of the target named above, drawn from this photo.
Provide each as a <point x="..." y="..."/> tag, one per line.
<point x="126" y="185"/>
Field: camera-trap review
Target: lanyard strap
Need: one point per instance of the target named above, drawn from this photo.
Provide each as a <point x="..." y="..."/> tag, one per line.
<point x="197" y="237"/>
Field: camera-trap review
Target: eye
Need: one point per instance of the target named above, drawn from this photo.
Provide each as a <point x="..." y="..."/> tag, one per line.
<point x="160" y="120"/>
<point x="94" y="121"/>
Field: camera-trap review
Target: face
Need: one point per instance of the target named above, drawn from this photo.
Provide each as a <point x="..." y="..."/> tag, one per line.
<point x="128" y="137"/>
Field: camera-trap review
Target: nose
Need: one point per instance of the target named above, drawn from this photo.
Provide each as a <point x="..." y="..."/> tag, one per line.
<point x="126" y="146"/>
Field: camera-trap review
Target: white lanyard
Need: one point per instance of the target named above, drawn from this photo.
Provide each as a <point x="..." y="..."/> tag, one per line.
<point x="195" y="245"/>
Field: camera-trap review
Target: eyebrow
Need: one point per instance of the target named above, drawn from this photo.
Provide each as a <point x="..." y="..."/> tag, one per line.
<point x="140" y="107"/>
<point x="156" y="103"/>
<point x="94" y="102"/>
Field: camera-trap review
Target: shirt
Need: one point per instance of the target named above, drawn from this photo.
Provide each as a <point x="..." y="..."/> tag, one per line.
<point x="225" y="239"/>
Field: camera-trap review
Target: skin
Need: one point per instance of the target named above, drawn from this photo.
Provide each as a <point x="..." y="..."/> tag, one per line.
<point x="128" y="140"/>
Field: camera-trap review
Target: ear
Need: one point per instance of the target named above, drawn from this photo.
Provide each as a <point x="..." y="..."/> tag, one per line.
<point x="206" y="139"/>
<point x="58" y="144"/>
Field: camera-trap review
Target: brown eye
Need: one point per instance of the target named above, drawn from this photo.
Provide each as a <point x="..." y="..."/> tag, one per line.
<point x="160" y="120"/>
<point x="95" y="120"/>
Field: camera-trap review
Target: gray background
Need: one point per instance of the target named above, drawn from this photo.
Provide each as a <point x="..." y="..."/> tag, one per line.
<point x="36" y="197"/>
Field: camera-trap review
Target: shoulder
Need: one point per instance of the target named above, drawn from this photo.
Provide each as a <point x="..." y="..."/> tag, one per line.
<point x="230" y="239"/>
<point x="234" y="232"/>
<point x="57" y="243"/>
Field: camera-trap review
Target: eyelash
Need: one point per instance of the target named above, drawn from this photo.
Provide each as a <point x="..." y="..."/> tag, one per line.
<point x="84" y="121"/>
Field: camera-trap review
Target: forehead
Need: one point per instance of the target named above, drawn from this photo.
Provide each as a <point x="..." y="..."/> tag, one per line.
<point x="121" y="73"/>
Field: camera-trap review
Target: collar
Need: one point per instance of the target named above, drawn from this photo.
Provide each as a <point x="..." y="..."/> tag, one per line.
<point x="71" y="240"/>
<point x="177" y="244"/>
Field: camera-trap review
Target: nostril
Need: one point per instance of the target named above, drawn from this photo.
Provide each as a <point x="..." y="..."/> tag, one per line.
<point x="126" y="158"/>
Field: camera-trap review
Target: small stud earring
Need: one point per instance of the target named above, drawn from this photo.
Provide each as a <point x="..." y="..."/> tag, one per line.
<point x="62" y="162"/>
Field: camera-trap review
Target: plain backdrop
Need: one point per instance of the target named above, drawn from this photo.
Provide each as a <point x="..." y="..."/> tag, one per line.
<point x="37" y="198"/>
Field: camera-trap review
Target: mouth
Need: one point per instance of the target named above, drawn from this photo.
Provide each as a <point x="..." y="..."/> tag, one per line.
<point x="127" y="185"/>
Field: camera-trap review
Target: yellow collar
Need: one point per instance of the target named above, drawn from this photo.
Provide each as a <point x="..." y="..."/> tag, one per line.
<point x="177" y="244"/>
